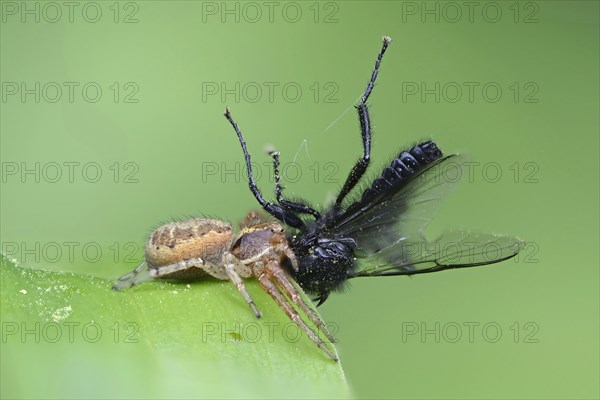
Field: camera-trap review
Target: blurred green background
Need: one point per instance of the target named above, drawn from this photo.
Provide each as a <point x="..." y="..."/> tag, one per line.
<point x="135" y="91"/>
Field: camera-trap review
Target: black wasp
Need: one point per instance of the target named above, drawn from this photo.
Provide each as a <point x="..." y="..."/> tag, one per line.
<point x="378" y="233"/>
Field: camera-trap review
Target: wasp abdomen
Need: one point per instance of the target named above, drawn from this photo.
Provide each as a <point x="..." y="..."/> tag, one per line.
<point x="403" y="167"/>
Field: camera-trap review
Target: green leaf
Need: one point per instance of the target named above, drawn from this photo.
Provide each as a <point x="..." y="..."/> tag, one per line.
<point x="67" y="335"/>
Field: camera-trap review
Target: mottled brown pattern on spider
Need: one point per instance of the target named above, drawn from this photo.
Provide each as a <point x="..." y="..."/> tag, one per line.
<point x="198" y="237"/>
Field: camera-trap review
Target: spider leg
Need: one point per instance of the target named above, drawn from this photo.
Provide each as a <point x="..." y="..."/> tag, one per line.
<point x="230" y="263"/>
<point x="286" y="216"/>
<point x="275" y="271"/>
<point x="273" y="290"/>
<point x="138" y="275"/>
<point x="365" y="129"/>
<point x="164" y="270"/>
<point x="142" y="273"/>
<point x="289" y="205"/>
<point x="287" y="251"/>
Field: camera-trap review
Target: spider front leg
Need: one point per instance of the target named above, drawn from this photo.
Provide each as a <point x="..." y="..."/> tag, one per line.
<point x="277" y="273"/>
<point x="232" y="264"/>
<point x="135" y="277"/>
<point x="260" y="271"/>
<point x="365" y="129"/>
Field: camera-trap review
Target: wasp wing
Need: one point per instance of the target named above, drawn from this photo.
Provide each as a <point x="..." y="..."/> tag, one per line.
<point x="395" y="208"/>
<point x="387" y="223"/>
<point x="455" y="249"/>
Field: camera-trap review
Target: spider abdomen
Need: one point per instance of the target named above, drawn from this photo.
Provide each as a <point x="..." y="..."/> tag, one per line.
<point x="196" y="238"/>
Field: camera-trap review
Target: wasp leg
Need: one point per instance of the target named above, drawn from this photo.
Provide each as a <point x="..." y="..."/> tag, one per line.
<point x="135" y="277"/>
<point x="275" y="271"/>
<point x="273" y="291"/>
<point x="365" y="130"/>
<point x="231" y="262"/>
<point x="293" y="206"/>
<point x="275" y="210"/>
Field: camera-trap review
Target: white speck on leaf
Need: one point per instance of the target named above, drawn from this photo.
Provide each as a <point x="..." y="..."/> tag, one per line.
<point x="61" y="313"/>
